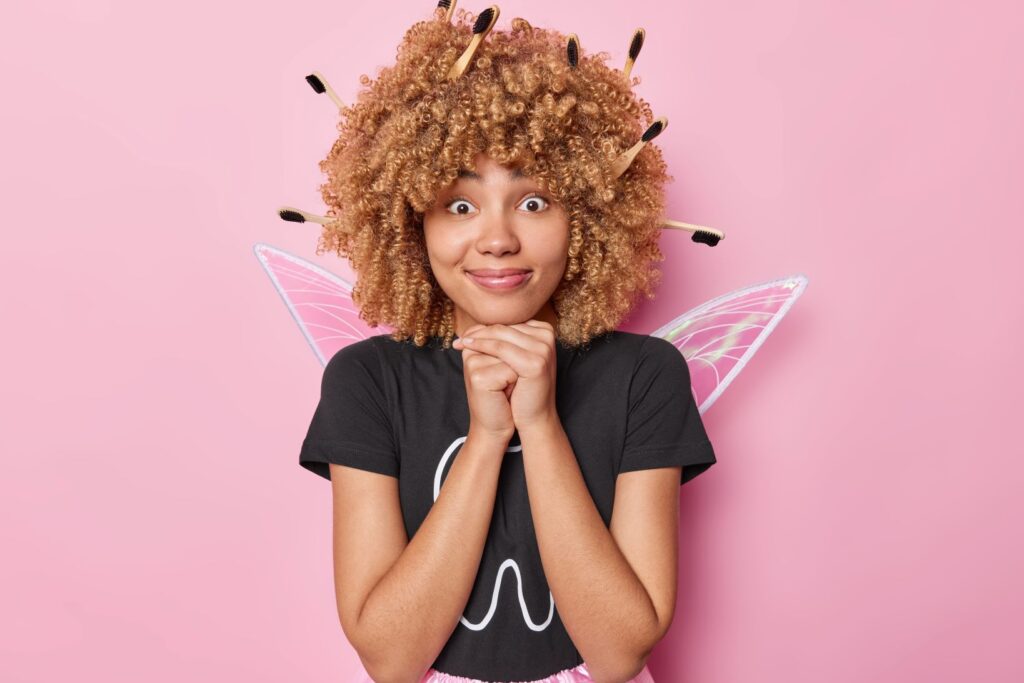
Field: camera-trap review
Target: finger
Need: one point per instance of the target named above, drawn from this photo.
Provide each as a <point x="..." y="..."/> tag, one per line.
<point x="491" y="373"/>
<point x="537" y="338"/>
<point x="473" y="328"/>
<point x="523" y="360"/>
<point x="538" y="329"/>
<point x="538" y="325"/>
<point x="515" y="334"/>
<point x="469" y="353"/>
<point x="480" y="359"/>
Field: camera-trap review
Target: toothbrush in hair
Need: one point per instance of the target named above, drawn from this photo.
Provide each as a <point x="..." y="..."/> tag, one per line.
<point x="626" y="158"/>
<point x="448" y="6"/>
<point x="701" y="233"/>
<point x="483" y="25"/>
<point x="634" y="51"/>
<point x="321" y="86"/>
<point x="572" y="50"/>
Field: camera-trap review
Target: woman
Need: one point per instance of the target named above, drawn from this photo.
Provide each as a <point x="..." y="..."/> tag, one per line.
<point x="505" y="465"/>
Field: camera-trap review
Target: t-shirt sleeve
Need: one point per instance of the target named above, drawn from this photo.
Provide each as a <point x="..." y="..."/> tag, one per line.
<point x="351" y="425"/>
<point x="663" y="425"/>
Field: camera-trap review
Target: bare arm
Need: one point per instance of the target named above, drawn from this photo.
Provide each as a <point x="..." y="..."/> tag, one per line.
<point x="605" y="607"/>
<point x="400" y="600"/>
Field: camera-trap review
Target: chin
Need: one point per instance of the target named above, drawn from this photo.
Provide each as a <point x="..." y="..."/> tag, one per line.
<point x="500" y="315"/>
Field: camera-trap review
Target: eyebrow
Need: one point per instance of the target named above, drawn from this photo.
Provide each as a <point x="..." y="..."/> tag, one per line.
<point x="512" y="174"/>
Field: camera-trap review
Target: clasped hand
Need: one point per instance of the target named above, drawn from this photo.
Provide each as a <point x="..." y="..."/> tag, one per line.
<point x="528" y="349"/>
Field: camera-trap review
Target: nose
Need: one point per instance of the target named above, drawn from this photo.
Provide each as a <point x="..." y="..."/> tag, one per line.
<point x="497" y="234"/>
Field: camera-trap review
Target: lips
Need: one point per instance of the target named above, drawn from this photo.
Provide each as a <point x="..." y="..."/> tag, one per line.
<point x="500" y="272"/>
<point x="496" y="279"/>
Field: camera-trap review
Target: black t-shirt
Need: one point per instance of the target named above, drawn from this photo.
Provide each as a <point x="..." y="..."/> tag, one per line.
<point x="397" y="409"/>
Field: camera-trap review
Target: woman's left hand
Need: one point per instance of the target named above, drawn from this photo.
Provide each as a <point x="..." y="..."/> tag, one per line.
<point x="529" y="349"/>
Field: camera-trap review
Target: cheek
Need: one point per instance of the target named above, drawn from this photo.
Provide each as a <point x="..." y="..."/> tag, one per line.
<point x="559" y="248"/>
<point x="441" y="252"/>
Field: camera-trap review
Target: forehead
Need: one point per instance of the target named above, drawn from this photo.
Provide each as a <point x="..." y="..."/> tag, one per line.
<point x="511" y="174"/>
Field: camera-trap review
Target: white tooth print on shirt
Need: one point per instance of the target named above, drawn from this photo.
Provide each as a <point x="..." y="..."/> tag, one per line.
<point x="507" y="564"/>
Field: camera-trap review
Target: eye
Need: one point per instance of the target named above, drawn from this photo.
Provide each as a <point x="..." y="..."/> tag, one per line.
<point x="459" y="203"/>
<point x="535" y="200"/>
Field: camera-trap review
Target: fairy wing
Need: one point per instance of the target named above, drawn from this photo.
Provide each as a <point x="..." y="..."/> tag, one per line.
<point x="718" y="337"/>
<point x="320" y="301"/>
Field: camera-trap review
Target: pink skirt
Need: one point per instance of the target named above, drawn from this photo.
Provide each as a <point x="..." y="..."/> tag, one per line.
<point x="578" y="674"/>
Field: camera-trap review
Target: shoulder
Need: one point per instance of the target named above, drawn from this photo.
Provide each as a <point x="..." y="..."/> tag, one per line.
<point x="616" y="342"/>
<point x="380" y="352"/>
<point x="660" y="348"/>
<point x="660" y="361"/>
<point x="355" y="351"/>
<point x="359" y="356"/>
<point x="645" y="354"/>
<point x="630" y="346"/>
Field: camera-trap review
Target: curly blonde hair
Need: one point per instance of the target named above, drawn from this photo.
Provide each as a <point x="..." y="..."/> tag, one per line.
<point x="520" y="102"/>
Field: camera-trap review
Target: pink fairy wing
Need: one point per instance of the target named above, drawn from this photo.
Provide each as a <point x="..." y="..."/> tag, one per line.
<point x="320" y="302"/>
<point x="717" y="338"/>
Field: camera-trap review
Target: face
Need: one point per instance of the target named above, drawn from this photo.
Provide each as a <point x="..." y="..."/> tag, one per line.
<point x="495" y="219"/>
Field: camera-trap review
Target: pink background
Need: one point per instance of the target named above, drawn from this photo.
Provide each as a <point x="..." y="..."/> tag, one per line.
<point x="863" y="522"/>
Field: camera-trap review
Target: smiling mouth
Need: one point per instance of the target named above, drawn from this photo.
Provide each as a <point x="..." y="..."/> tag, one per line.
<point x="500" y="283"/>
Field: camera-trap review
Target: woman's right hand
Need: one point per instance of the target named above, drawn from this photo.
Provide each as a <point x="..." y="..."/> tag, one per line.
<point x="489" y="385"/>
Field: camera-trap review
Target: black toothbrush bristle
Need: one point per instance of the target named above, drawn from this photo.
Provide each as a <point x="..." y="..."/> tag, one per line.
<point x="705" y="237"/>
<point x="652" y="132"/>
<point x="573" y="50"/>
<point x="483" y="21"/>
<point x="292" y="216"/>
<point x="316" y="84"/>
<point x="634" y="47"/>
<point x="444" y="3"/>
